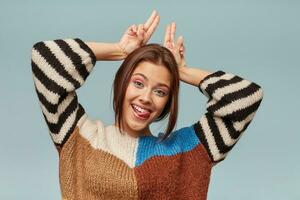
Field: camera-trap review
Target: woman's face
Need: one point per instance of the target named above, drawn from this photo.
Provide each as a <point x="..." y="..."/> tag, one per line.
<point x="145" y="98"/>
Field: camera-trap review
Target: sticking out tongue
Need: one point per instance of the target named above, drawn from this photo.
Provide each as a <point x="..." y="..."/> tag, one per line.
<point x="144" y="115"/>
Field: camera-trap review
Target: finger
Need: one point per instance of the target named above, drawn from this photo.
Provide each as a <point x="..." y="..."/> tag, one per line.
<point x="134" y="28"/>
<point x="182" y="50"/>
<point x="130" y="30"/>
<point x="179" y="45"/>
<point x="167" y="34"/>
<point x="179" y="42"/>
<point x="150" y="20"/>
<point x="151" y="29"/>
<point x="140" y="32"/>
<point x="140" y="27"/>
<point x="172" y="33"/>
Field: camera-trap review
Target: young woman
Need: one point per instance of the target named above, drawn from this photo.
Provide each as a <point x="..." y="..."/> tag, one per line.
<point x="125" y="160"/>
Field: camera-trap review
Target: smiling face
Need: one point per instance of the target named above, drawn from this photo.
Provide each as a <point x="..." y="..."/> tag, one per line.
<point x="145" y="98"/>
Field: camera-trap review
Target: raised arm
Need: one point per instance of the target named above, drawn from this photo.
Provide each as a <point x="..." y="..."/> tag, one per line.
<point x="232" y="102"/>
<point x="60" y="67"/>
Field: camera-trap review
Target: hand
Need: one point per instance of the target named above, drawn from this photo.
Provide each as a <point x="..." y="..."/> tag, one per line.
<point x="177" y="48"/>
<point x="138" y="35"/>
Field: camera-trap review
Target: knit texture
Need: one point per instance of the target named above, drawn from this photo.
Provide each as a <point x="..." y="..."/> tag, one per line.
<point x="98" y="162"/>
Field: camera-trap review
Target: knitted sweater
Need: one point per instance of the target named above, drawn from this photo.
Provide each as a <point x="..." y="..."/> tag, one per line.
<point x="98" y="162"/>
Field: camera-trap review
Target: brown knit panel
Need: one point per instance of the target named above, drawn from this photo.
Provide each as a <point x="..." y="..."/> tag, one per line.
<point x="90" y="174"/>
<point x="183" y="176"/>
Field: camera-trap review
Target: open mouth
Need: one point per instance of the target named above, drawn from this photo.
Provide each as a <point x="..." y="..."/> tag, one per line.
<point x="140" y="113"/>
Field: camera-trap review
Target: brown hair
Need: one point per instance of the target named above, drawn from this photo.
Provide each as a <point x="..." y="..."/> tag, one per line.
<point x="158" y="55"/>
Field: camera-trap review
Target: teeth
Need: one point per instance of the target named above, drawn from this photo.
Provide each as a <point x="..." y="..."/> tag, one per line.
<point x="140" y="109"/>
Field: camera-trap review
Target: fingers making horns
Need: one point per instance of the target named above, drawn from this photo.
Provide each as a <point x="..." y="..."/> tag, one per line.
<point x="169" y="40"/>
<point x="145" y="31"/>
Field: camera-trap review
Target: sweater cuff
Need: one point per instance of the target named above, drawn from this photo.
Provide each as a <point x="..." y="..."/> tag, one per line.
<point x="202" y="83"/>
<point x="87" y="49"/>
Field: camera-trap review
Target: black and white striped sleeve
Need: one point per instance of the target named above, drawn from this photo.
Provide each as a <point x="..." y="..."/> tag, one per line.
<point x="232" y="104"/>
<point x="60" y="67"/>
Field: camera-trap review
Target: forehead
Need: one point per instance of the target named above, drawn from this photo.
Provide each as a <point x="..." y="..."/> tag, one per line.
<point x="154" y="73"/>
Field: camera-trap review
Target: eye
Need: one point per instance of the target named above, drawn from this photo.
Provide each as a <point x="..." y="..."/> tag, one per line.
<point x="161" y="93"/>
<point x="138" y="84"/>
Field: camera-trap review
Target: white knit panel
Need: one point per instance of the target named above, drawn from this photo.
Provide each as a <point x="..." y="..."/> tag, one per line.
<point x="110" y="140"/>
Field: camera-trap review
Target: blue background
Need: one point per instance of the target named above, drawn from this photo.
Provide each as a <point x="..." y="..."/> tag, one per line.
<point x="258" y="40"/>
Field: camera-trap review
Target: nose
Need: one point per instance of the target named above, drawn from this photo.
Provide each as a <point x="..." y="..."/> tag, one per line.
<point x="145" y="97"/>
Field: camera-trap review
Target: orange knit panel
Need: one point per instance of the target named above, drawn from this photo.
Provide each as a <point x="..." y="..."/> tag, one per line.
<point x="182" y="176"/>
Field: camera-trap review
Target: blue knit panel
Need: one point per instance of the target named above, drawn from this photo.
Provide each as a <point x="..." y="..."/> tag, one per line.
<point x="181" y="140"/>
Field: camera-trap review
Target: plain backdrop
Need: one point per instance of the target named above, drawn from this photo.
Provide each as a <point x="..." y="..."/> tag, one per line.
<point x="257" y="40"/>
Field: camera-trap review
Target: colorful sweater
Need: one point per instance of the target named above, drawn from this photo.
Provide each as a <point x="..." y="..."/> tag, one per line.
<point x="98" y="162"/>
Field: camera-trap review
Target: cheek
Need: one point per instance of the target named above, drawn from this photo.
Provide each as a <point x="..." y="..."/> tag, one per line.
<point x="130" y="92"/>
<point x="160" y="104"/>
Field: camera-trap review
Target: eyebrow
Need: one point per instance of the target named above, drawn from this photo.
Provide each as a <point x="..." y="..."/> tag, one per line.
<point x="160" y="84"/>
